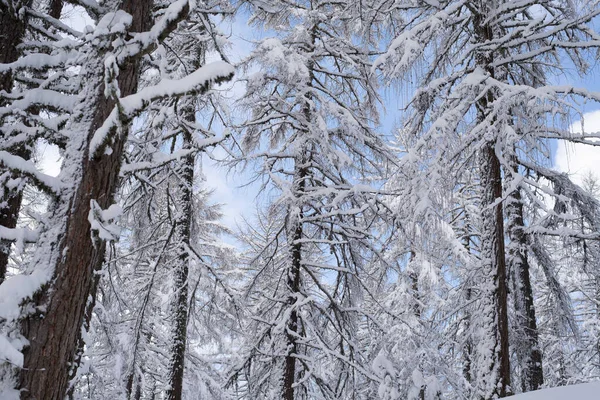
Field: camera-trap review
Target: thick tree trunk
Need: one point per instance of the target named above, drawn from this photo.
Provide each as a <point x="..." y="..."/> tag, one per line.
<point x="12" y="30"/>
<point x="53" y="335"/>
<point x="494" y="312"/>
<point x="527" y="342"/>
<point x="493" y="258"/>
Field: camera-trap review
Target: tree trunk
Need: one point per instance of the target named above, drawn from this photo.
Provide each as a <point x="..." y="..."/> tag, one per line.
<point x="293" y="279"/>
<point x="53" y="335"/>
<point x="494" y="288"/>
<point x="494" y="266"/>
<point x="414" y="280"/>
<point x="295" y="231"/>
<point x="527" y="341"/>
<point x="12" y="30"/>
<point x="468" y="346"/>
<point x="180" y="281"/>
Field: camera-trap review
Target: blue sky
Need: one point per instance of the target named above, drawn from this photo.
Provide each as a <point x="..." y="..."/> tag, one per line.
<point x="240" y="201"/>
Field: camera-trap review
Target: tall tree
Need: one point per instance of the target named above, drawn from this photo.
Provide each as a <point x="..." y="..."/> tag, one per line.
<point x="526" y="335"/>
<point x="15" y="18"/>
<point x="310" y="130"/>
<point x="172" y="251"/>
<point x="483" y="61"/>
<point x="12" y="30"/>
<point x="72" y="243"/>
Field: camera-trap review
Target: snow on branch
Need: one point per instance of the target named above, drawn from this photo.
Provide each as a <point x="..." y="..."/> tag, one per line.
<point x="54" y="22"/>
<point x="40" y="61"/>
<point x="102" y="221"/>
<point x="49" y="183"/>
<point x="18" y="234"/>
<point x="146" y="41"/>
<point x="129" y="107"/>
<point x="40" y="97"/>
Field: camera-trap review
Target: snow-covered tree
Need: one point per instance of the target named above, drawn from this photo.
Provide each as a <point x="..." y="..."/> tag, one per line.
<point x="51" y="297"/>
<point x="21" y="28"/>
<point x="311" y="109"/>
<point x="486" y="94"/>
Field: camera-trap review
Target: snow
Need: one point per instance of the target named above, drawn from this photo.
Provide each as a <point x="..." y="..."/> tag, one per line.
<point x="101" y="221"/>
<point x="9" y="352"/>
<point x="38" y="61"/>
<point x="18" y="234"/>
<point x="113" y="22"/>
<point x="37" y="97"/>
<point x="27" y="167"/>
<point x="580" y="159"/>
<point x="586" y="391"/>
<point x="129" y="106"/>
<point x="16" y="288"/>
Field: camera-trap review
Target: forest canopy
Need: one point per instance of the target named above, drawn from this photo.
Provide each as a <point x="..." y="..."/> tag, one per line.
<point x="403" y="226"/>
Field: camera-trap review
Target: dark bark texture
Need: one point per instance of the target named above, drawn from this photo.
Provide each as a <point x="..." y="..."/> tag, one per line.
<point x="293" y="286"/>
<point x="180" y="281"/>
<point x="526" y="332"/>
<point x="492" y="187"/>
<point x="54" y="334"/>
<point x="493" y="249"/>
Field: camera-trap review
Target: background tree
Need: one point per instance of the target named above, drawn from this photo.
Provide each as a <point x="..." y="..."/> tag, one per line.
<point x="483" y="61"/>
<point x="310" y="131"/>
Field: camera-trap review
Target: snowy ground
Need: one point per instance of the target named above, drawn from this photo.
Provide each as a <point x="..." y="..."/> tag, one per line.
<point x="586" y="391"/>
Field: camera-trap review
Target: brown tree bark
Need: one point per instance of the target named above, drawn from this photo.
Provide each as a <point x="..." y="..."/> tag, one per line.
<point x="12" y="30"/>
<point x="180" y="281"/>
<point x="493" y="247"/>
<point x="295" y="229"/>
<point x="54" y="334"/>
<point x="468" y="346"/>
<point x="492" y="240"/>
<point x="293" y="282"/>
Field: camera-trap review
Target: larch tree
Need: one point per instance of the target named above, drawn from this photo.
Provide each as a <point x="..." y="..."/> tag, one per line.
<point x="12" y="31"/>
<point x="451" y="263"/>
<point x="485" y="71"/>
<point x="17" y="18"/>
<point x="49" y="300"/>
<point x="311" y="109"/>
<point x="168" y="273"/>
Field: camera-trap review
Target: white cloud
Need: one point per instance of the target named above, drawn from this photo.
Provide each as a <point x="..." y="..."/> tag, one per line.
<point x="580" y="159"/>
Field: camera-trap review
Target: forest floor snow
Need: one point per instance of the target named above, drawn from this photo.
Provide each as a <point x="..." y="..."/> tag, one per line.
<point x="585" y="391"/>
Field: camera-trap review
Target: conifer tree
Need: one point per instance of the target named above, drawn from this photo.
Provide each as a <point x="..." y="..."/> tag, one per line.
<point x="310" y="131"/>
<point x="50" y="301"/>
<point x="486" y="79"/>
